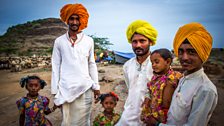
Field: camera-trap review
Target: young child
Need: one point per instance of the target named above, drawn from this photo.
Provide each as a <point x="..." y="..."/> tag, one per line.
<point x="33" y="107"/>
<point x="160" y="88"/>
<point x="107" y="117"/>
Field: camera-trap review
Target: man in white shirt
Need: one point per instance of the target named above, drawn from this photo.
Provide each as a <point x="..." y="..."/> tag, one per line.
<point x="137" y="71"/>
<point x="196" y="97"/>
<point x="74" y="71"/>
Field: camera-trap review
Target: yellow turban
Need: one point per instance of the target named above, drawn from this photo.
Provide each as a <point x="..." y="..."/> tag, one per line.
<point x="198" y="36"/>
<point x="144" y="28"/>
<point x="70" y="9"/>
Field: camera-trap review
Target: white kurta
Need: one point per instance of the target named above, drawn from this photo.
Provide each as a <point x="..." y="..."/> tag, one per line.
<point x="193" y="101"/>
<point x="136" y="76"/>
<point x="74" y="70"/>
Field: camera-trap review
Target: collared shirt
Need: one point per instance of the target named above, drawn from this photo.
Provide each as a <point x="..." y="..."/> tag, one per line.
<point x="74" y="70"/>
<point x="136" y="77"/>
<point x="34" y="109"/>
<point x="193" y="101"/>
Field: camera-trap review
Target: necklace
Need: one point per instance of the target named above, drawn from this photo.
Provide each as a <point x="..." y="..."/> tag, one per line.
<point x="140" y="68"/>
<point x="73" y="42"/>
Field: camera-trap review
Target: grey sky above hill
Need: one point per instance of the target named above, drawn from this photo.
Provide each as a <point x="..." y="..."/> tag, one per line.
<point x="110" y="18"/>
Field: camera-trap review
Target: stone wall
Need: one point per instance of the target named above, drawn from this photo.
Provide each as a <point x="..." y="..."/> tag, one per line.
<point x="16" y="64"/>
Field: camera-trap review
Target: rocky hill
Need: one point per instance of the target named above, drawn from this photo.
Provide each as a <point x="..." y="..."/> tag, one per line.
<point x="34" y="37"/>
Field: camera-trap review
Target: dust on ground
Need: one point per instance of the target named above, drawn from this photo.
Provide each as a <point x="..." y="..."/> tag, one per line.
<point x="111" y="79"/>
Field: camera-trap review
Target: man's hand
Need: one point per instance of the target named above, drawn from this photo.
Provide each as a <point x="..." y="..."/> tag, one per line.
<point x="56" y="106"/>
<point x="96" y="95"/>
<point x="151" y="122"/>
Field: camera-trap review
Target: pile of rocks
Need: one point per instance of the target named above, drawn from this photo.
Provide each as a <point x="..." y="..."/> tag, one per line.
<point x="16" y="64"/>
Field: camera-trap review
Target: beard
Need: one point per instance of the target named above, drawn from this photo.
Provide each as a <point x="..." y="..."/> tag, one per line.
<point x="140" y="51"/>
<point x="74" y="27"/>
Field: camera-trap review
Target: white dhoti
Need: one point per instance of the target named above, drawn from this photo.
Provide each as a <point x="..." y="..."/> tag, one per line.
<point x="77" y="113"/>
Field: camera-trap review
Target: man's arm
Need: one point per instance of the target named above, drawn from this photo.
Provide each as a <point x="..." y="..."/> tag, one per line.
<point x="93" y="72"/>
<point x="201" y="108"/>
<point x="56" y="64"/>
<point x="203" y="105"/>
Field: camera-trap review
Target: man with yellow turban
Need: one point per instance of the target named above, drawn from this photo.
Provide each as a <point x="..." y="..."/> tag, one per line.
<point x="137" y="71"/>
<point x="196" y="97"/>
<point x="74" y="71"/>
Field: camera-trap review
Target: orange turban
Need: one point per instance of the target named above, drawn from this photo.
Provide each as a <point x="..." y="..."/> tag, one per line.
<point x="199" y="38"/>
<point x="78" y="9"/>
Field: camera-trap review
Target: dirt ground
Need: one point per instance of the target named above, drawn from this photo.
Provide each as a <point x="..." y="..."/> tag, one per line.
<point x="111" y="79"/>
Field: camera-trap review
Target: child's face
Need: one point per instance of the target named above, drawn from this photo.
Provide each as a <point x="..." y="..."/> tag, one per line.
<point x="33" y="86"/>
<point x="159" y="65"/>
<point x="109" y="104"/>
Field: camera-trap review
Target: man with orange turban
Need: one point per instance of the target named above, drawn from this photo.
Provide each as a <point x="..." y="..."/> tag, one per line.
<point x="137" y="70"/>
<point x="74" y="71"/>
<point x="196" y="97"/>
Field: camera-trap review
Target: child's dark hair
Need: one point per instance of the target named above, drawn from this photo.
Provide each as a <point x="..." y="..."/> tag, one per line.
<point x="164" y="53"/>
<point x="110" y="94"/>
<point x="23" y="81"/>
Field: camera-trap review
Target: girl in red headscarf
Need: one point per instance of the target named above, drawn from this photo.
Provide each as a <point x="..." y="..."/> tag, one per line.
<point x="108" y="117"/>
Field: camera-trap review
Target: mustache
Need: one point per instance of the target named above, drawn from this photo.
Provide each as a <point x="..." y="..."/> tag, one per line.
<point x="185" y="61"/>
<point x="74" y="25"/>
<point x="138" y="48"/>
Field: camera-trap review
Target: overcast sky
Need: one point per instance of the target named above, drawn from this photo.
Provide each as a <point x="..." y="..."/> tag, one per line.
<point x="110" y="18"/>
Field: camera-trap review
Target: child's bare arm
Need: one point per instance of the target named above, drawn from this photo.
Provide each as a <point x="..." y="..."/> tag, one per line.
<point x="21" y="119"/>
<point x="167" y="95"/>
<point x="51" y="110"/>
